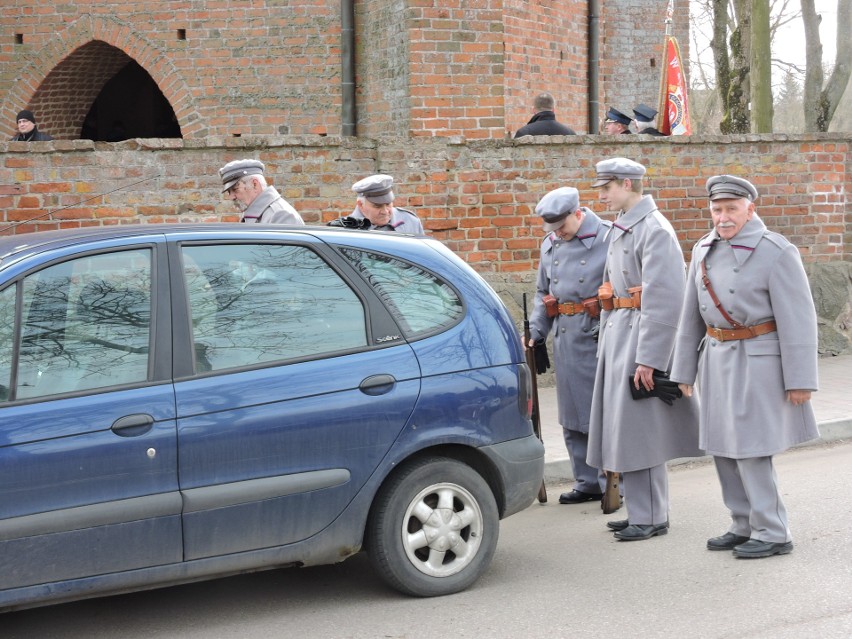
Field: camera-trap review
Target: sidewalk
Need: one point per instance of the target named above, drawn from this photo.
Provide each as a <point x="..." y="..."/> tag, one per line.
<point x="832" y="406"/>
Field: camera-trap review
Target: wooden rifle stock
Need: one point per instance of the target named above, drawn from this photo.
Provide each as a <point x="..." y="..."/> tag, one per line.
<point x="529" y="354"/>
<point x="611" y="498"/>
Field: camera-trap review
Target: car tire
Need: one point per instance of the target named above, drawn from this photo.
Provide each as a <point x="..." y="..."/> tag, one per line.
<point x="433" y="528"/>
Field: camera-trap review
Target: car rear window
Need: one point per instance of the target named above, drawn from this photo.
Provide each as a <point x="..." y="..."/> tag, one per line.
<point x="421" y="302"/>
<point x="256" y="303"/>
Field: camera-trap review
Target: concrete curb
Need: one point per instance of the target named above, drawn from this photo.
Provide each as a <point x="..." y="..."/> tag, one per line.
<point x="558" y="471"/>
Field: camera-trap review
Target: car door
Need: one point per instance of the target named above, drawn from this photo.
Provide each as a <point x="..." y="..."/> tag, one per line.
<point x="299" y="384"/>
<point x="88" y="472"/>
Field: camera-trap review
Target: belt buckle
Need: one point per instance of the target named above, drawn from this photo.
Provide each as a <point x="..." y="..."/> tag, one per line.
<point x="715" y="333"/>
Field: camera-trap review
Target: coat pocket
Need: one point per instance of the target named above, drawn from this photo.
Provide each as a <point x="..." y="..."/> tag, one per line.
<point x="762" y="346"/>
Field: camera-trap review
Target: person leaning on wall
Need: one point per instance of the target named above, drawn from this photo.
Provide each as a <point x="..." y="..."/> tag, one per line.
<point x="28" y="130"/>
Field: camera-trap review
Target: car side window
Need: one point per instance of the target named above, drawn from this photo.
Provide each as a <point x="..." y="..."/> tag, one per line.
<point x="85" y="324"/>
<point x="7" y="339"/>
<point x="256" y="303"/>
<point x="421" y="302"/>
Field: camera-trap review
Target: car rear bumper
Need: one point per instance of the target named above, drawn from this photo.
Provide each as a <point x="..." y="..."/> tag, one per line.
<point x="520" y="463"/>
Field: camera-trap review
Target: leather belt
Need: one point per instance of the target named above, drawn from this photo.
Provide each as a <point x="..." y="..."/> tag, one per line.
<point x="746" y="332"/>
<point x="571" y="308"/>
<point x="623" y="302"/>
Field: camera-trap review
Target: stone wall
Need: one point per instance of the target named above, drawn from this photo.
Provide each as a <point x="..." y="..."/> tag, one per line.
<point x="476" y="196"/>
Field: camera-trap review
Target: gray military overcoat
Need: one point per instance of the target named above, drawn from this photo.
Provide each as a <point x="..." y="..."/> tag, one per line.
<point x="401" y="221"/>
<point x="627" y="434"/>
<point x="572" y="271"/>
<point x="758" y="276"/>
<point x="270" y="208"/>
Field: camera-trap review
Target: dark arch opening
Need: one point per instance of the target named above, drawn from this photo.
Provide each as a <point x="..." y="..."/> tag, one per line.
<point x="130" y="105"/>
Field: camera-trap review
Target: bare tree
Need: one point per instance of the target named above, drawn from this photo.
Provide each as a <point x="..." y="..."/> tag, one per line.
<point x="761" y="68"/>
<point x="820" y="102"/>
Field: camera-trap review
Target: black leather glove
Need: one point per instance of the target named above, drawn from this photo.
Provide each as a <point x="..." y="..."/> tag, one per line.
<point x="350" y="222"/>
<point x="664" y="388"/>
<point x="595" y="332"/>
<point x="542" y="361"/>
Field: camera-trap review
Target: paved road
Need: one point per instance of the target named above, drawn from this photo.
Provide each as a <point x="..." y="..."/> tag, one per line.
<point x="556" y="574"/>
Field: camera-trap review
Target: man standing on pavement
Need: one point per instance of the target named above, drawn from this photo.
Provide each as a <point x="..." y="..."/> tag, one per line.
<point x="643" y="291"/>
<point x="570" y="270"/>
<point x="374" y="209"/>
<point x="544" y="121"/>
<point x="245" y="184"/>
<point x="748" y="333"/>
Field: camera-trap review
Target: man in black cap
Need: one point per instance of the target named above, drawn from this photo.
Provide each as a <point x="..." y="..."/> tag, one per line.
<point x="27" y="129"/>
<point x="748" y="335"/>
<point x="245" y="184"/>
<point x="616" y="123"/>
<point x="644" y="119"/>
<point x="544" y="121"/>
<point x="374" y="209"/>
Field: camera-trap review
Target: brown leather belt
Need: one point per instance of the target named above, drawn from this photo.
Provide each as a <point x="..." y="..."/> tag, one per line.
<point x="624" y="302"/>
<point x="571" y="308"/>
<point x="747" y="332"/>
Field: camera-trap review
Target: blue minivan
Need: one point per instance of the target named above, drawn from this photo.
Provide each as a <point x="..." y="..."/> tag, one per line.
<point x="180" y="402"/>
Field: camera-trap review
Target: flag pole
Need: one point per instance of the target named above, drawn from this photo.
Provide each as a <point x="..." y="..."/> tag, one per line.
<point x="664" y="66"/>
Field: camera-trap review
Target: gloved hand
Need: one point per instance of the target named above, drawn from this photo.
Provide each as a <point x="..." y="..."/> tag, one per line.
<point x="542" y="361"/>
<point x="664" y="388"/>
<point x="595" y="332"/>
<point x="350" y="222"/>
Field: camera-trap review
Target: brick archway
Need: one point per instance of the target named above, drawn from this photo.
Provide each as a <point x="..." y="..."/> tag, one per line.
<point x="68" y="74"/>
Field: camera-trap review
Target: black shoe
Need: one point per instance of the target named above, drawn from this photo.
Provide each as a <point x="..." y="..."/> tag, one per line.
<point x="618" y="524"/>
<point x="726" y="541"/>
<point x="754" y="549"/>
<point x="636" y="532"/>
<point x="578" y="497"/>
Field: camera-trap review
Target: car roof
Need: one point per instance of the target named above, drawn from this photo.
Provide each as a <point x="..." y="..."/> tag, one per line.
<point x="33" y="243"/>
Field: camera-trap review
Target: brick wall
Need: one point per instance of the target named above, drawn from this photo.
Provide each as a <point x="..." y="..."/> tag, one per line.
<point x="632" y="50"/>
<point x="265" y="68"/>
<point x="477" y="196"/>
<point x="546" y="50"/>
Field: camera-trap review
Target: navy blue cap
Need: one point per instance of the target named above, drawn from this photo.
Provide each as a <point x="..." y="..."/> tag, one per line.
<point x="644" y="113"/>
<point x="614" y="115"/>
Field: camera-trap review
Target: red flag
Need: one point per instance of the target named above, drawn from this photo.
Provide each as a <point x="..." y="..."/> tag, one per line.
<point x="675" y="120"/>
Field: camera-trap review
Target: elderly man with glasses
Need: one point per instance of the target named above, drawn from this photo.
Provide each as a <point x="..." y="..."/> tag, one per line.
<point x="245" y="184"/>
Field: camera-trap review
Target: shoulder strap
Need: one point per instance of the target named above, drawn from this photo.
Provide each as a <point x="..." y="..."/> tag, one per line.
<point x="706" y="280"/>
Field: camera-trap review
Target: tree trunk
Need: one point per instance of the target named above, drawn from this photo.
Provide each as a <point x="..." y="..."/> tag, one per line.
<point x="761" y="68"/>
<point x="739" y="93"/>
<point x="820" y="103"/>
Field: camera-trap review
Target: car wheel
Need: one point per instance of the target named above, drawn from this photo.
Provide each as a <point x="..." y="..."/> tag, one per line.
<point x="433" y="528"/>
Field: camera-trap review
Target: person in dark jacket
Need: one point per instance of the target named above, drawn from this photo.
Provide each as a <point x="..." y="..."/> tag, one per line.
<point x="544" y="121"/>
<point x="644" y="120"/>
<point x="27" y="129"/>
<point x="616" y="123"/>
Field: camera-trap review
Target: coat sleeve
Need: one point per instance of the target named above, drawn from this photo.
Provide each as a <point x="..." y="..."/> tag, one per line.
<point x="690" y="331"/>
<point x="795" y="317"/>
<point x="662" y="296"/>
<point x="540" y="323"/>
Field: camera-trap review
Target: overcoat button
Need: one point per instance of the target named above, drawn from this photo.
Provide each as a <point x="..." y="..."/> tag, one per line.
<point x="582" y="279"/>
<point x="583" y="262"/>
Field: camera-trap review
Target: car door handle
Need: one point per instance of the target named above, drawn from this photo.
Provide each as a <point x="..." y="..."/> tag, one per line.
<point x="377" y="384"/>
<point x="132" y="425"/>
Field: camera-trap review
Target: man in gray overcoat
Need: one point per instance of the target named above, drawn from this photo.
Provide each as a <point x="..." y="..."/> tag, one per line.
<point x="645" y="276"/>
<point x="374" y="209"/>
<point x="570" y="270"/>
<point x="754" y="355"/>
<point x="245" y="184"/>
